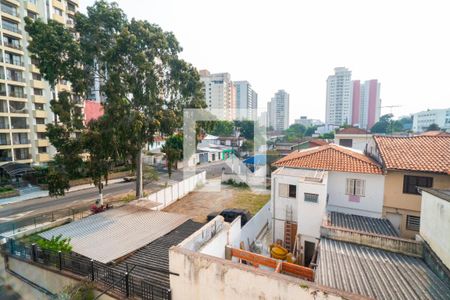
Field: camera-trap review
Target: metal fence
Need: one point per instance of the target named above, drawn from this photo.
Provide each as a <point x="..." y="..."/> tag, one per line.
<point x="34" y="221"/>
<point x="110" y="279"/>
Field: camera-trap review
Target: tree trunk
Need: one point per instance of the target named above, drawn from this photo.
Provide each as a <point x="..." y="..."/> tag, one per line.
<point x="139" y="184"/>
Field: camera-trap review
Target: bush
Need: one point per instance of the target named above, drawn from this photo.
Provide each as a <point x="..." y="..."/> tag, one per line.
<point x="233" y="183"/>
<point x="56" y="243"/>
<point x="6" y="188"/>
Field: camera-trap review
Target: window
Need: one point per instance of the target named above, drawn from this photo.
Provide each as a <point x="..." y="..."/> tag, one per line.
<point x="31" y="15"/>
<point x="37" y="76"/>
<point x="287" y="190"/>
<point x="346" y="142"/>
<point x="356" y="187"/>
<point x="410" y="183"/>
<point x="40" y="120"/>
<point x="42" y="149"/>
<point x="311" y="197"/>
<point x="41" y="135"/>
<point x="39" y="106"/>
<point x="57" y="11"/>
<point x="38" y="92"/>
<point x="412" y="223"/>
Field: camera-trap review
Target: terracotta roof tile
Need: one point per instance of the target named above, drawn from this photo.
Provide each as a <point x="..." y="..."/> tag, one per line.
<point x="352" y="130"/>
<point x="435" y="133"/>
<point x="330" y="157"/>
<point x="417" y="153"/>
<point x="318" y="142"/>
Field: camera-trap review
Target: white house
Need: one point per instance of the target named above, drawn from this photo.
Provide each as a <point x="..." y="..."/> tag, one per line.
<point x="352" y="137"/>
<point x="309" y="183"/>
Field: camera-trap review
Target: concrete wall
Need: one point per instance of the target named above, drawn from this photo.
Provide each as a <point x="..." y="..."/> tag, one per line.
<point x="252" y="229"/>
<point x="359" y="141"/>
<point x="400" y="204"/>
<point x="399" y="245"/>
<point x="371" y="205"/>
<point x="435" y="225"/>
<point x="177" y="191"/>
<point x="205" y="277"/>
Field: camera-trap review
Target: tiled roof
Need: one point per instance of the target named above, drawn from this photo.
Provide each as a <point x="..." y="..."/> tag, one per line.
<point x="318" y="142"/>
<point x="362" y="223"/>
<point x="417" y="153"/>
<point x="376" y="273"/>
<point x="330" y="157"/>
<point x="352" y="130"/>
<point x="435" y="133"/>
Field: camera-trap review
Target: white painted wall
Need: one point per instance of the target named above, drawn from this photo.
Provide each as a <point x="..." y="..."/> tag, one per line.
<point x="255" y="226"/>
<point x="205" y="277"/>
<point x="359" y="141"/>
<point x="310" y="215"/>
<point x="371" y="205"/>
<point x="435" y="225"/>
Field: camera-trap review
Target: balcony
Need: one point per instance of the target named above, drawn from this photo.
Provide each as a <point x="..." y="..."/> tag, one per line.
<point x="38" y="99"/>
<point x="26" y="156"/>
<point x="15" y="77"/>
<point x="5" y="142"/>
<point x="16" y="46"/>
<point x="38" y="84"/>
<point x="9" y="10"/>
<point x="22" y="142"/>
<point x="11" y="28"/>
<point x="42" y="143"/>
<point x="31" y="6"/>
<point x="58" y="18"/>
<point x="5" y="158"/>
<point x="40" y="114"/>
<point x="41" y="127"/>
<point x="14" y="62"/>
<point x="4" y="125"/>
<point x="58" y="4"/>
<point x="43" y="157"/>
<point x="17" y="94"/>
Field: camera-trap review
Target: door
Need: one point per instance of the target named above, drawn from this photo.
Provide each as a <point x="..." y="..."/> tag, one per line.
<point x="395" y="219"/>
<point x="309" y="252"/>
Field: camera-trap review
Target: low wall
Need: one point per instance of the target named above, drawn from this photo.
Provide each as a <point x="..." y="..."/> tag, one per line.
<point x="249" y="179"/>
<point x="205" y="277"/>
<point x="46" y="279"/>
<point x="170" y="194"/>
<point x="394" y="244"/>
<point x="252" y="229"/>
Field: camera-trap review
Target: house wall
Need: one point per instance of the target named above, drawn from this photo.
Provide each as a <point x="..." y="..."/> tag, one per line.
<point x="253" y="228"/>
<point x="359" y="141"/>
<point x="206" y="277"/>
<point x="435" y="225"/>
<point x="371" y="205"/>
<point x="398" y="204"/>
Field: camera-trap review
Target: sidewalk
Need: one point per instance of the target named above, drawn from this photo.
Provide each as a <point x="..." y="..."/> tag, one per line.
<point x="43" y="193"/>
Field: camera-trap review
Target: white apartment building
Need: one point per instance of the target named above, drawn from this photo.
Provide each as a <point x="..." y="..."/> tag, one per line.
<point x="423" y="119"/>
<point x="24" y="95"/>
<point x="246" y="100"/>
<point x="278" y="111"/>
<point x="220" y="93"/>
<point x="339" y="97"/>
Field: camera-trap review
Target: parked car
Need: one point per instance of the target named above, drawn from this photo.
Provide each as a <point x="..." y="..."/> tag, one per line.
<point x="230" y="214"/>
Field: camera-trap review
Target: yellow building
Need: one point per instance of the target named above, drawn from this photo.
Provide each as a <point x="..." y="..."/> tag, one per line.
<point x="24" y="95"/>
<point x="410" y="163"/>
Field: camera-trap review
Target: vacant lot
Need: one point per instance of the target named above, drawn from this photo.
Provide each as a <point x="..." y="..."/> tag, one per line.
<point x="199" y="204"/>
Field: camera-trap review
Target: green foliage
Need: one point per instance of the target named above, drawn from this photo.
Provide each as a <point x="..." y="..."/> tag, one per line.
<point x="150" y="173"/>
<point x="310" y="130"/>
<point x="246" y="128"/>
<point x="328" y="135"/>
<point x="84" y="290"/>
<point x="294" y="132"/>
<point x="248" y="145"/>
<point x="58" y="181"/>
<point x="6" y="188"/>
<point x="223" y="128"/>
<point x="56" y="243"/>
<point x="387" y="125"/>
<point x="145" y="83"/>
<point x="173" y="148"/>
<point x="233" y="183"/>
<point x="433" y="127"/>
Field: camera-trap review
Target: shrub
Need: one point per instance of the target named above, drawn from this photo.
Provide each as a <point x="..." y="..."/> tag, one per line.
<point x="56" y="243"/>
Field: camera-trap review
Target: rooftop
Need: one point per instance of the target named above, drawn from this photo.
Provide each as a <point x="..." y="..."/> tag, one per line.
<point x="417" y="153"/>
<point x="112" y="234"/>
<point x="443" y="194"/>
<point x="330" y="157"/>
<point x="363" y="224"/>
<point x="376" y="273"/>
<point x="435" y="133"/>
<point x="352" y="130"/>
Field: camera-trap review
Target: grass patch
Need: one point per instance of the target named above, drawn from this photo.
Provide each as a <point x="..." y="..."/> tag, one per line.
<point x="248" y="200"/>
<point x="233" y="183"/>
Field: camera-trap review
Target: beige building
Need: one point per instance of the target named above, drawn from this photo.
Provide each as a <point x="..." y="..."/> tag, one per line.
<point x="24" y="95"/>
<point x="411" y="163"/>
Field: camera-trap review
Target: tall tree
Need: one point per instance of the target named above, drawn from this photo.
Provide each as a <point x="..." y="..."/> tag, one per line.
<point x="387" y="125"/>
<point x="145" y="84"/>
<point x="173" y="148"/>
<point x="294" y="132"/>
<point x="433" y="127"/>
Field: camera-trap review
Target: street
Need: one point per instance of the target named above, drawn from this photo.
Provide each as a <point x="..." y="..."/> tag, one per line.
<point x="81" y="198"/>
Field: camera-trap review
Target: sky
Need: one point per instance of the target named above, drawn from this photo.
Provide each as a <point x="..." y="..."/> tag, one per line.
<point x="295" y="45"/>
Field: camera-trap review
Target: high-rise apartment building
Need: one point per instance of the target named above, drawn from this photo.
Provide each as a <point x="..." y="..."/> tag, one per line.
<point x="350" y="102"/>
<point x="366" y="103"/>
<point x="220" y="93"/>
<point x="246" y="100"/>
<point x="339" y="97"/>
<point x="24" y="95"/>
<point x="422" y="120"/>
<point x="278" y="111"/>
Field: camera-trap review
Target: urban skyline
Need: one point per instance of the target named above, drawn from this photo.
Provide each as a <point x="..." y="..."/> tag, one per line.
<point x="302" y="70"/>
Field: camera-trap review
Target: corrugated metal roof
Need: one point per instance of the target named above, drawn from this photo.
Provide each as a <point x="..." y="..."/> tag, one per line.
<point x="361" y="223"/>
<point x="376" y="273"/>
<point x="117" y="232"/>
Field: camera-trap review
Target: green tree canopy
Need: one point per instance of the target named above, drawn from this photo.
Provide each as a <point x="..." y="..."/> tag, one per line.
<point x="173" y="148"/>
<point x="295" y="132"/>
<point x="433" y="127"/>
<point x="387" y="125"/>
<point x="222" y="128"/>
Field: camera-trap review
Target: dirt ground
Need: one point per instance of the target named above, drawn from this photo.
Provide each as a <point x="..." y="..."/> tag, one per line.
<point x="199" y="204"/>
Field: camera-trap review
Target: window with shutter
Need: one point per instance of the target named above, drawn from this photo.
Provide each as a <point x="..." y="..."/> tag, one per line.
<point x="356" y="187"/>
<point x="287" y="190"/>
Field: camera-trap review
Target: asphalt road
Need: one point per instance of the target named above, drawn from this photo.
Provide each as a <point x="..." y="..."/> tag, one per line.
<point x="84" y="197"/>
